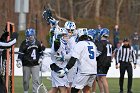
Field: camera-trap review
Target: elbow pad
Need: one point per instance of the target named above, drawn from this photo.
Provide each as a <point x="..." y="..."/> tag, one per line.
<point x="54" y="67"/>
<point x="56" y="44"/>
<point x="71" y="63"/>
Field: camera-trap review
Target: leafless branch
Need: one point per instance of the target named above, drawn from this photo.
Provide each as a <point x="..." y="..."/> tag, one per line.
<point x="59" y="17"/>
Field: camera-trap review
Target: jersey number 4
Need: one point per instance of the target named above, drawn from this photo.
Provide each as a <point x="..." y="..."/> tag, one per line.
<point x="33" y="55"/>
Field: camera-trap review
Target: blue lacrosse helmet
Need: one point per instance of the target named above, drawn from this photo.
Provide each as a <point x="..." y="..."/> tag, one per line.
<point x="104" y="32"/>
<point x="92" y="33"/>
<point x="30" y="35"/>
<point x="30" y="32"/>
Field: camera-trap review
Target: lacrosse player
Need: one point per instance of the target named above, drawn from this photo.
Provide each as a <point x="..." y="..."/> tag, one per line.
<point x="30" y="52"/>
<point x="84" y="53"/>
<point x="59" y="55"/>
<point x="71" y="28"/>
<point x="104" y="60"/>
<point x="5" y="45"/>
<point x="95" y="35"/>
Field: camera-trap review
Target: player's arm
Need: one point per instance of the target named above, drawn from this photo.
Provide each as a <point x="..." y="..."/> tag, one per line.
<point x="22" y="48"/>
<point x="54" y="67"/>
<point x="20" y="54"/>
<point x="71" y="63"/>
<point x="9" y="43"/>
<point x="41" y="48"/>
<point x="56" y="44"/>
<point x="118" y="57"/>
<point x="133" y="56"/>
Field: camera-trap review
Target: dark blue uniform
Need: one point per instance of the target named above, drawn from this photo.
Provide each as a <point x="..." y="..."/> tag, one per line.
<point x="30" y="54"/>
<point x="104" y="59"/>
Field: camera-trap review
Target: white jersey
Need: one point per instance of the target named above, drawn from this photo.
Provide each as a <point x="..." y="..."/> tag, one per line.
<point x="85" y="52"/>
<point x="62" y="52"/>
<point x="72" y="42"/>
<point x="72" y="72"/>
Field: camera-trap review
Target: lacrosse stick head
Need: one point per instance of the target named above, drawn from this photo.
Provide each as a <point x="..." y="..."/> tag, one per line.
<point x="42" y="89"/>
<point x="47" y="15"/>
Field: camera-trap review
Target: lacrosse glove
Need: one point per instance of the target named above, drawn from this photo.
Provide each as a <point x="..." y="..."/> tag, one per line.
<point x="62" y="72"/>
<point x="19" y="63"/>
<point x="54" y="67"/>
<point x="40" y="59"/>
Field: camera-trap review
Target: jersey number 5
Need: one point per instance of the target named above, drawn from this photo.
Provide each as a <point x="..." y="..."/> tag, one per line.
<point x="91" y="52"/>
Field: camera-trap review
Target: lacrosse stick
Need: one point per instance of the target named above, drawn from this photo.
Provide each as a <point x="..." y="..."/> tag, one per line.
<point x="41" y="88"/>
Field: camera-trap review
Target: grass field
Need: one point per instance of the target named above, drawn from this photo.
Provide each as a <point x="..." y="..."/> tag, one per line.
<point x="113" y="85"/>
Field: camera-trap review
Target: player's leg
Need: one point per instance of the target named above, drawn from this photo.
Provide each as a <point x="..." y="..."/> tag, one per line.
<point x="62" y="89"/>
<point x="105" y="84"/>
<point x="121" y="79"/>
<point x="94" y="86"/>
<point x="26" y="78"/>
<point x="80" y="81"/>
<point x="53" y="90"/>
<point x="89" y="83"/>
<point x="100" y="72"/>
<point x="71" y="75"/>
<point x="100" y="84"/>
<point x="86" y="89"/>
<point x="2" y="85"/>
<point x="69" y="88"/>
<point x="35" y="77"/>
<point x="130" y="75"/>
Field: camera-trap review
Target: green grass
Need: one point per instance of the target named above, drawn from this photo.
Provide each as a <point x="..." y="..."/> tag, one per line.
<point x="113" y="85"/>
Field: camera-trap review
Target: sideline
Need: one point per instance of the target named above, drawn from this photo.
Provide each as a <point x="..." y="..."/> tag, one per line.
<point x="112" y="73"/>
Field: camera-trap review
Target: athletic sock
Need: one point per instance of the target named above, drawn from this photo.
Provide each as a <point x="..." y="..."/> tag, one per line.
<point x="25" y="91"/>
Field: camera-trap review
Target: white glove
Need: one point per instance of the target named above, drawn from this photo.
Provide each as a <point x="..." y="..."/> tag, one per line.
<point x="40" y="60"/>
<point x="19" y="63"/>
<point x="62" y="72"/>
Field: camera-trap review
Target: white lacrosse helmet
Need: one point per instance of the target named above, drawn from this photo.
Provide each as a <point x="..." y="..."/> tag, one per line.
<point x="63" y="31"/>
<point x="81" y="31"/>
<point x="70" y="25"/>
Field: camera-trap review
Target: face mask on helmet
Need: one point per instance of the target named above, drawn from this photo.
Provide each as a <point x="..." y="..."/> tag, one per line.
<point x="92" y="33"/>
<point x="81" y="31"/>
<point x="104" y="32"/>
<point x="70" y="26"/>
<point x="64" y="33"/>
<point x="30" y="35"/>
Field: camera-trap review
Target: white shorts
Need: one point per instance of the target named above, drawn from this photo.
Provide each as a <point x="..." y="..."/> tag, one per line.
<point x="81" y="80"/>
<point x="56" y="81"/>
<point x="72" y="73"/>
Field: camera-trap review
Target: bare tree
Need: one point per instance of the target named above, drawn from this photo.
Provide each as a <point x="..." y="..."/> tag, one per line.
<point x="85" y="7"/>
<point x="59" y="17"/>
<point x="58" y="7"/>
<point x="97" y="8"/>
<point x="71" y="10"/>
<point x="119" y="4"/>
